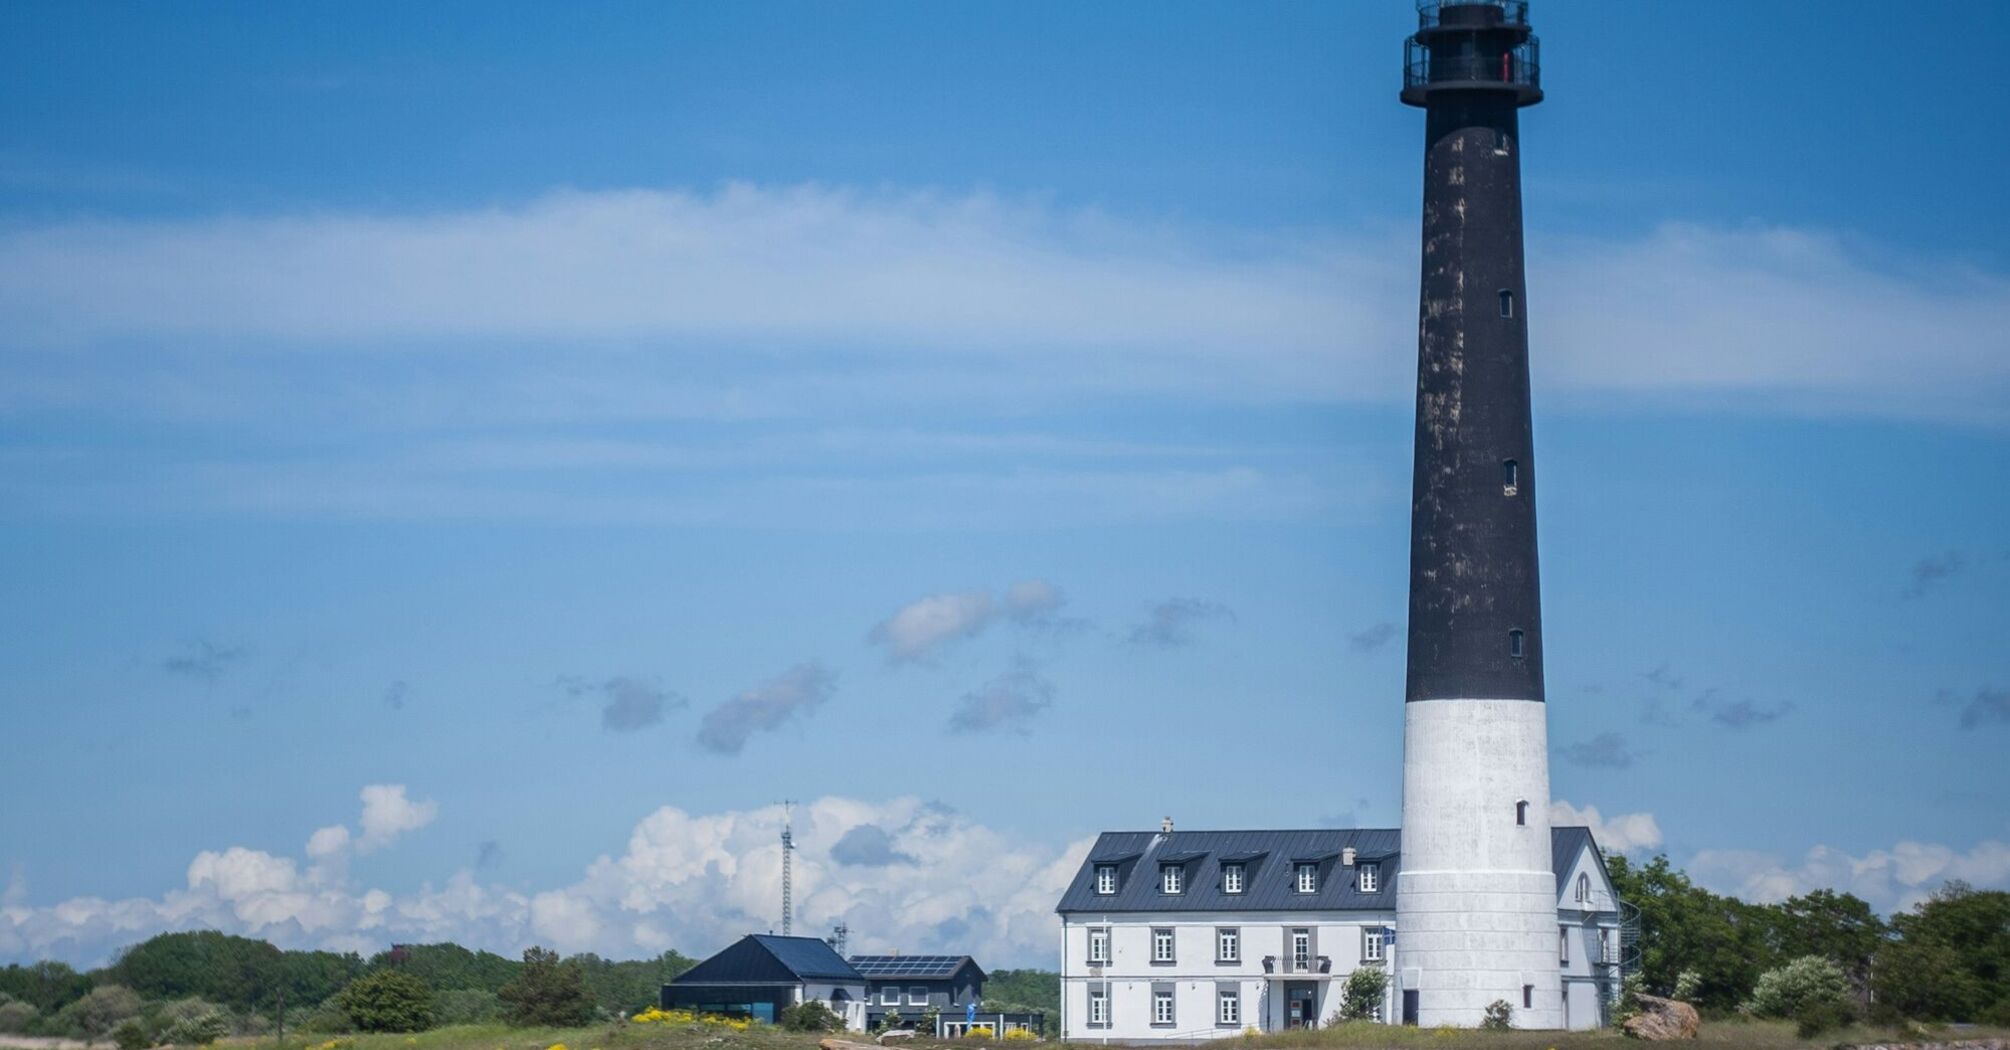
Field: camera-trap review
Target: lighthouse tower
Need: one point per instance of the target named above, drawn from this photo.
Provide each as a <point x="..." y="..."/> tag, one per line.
<point x="1476" y="899"/>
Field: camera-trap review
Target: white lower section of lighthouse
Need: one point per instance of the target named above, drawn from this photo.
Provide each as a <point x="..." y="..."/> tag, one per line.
<point x="1476" y="897"/>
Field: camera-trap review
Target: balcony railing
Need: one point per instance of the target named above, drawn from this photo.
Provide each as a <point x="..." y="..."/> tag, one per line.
<point x="1513" y="12"/>
<point x="1518" y="68"/>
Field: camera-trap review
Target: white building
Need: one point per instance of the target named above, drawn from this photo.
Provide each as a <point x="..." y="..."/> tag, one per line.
<point x="1192" y="935"/>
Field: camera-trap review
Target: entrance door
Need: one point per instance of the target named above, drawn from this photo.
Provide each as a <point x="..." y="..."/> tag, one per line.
<point x="1410" y="1006"/>
<point x="1301" y="1004"/>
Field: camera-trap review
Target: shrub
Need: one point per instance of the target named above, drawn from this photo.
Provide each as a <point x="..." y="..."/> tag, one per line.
<point x="15" y="1015"/>
<point x="547" y="993"/>
<point x="1803" y="984"/>
<point x="811" y="1016"/>
<point x="1021" y="1035"/>
<point x="888" y="1022"/>
<point x="978" y="1031"/>
<point x="132" y="1035"/>
<point x="200" y="1030"/>
<point x="1362" y="996"/>
<point x="387" y="1001"/>
<point x="1500" y="1016"/>
<point x="327" y="1019"/>
<point x="1687" y="984"/>
<point x="1815" y="1018"/>
<point x="466" y="1006"/>
<point x="100" y="1010"/>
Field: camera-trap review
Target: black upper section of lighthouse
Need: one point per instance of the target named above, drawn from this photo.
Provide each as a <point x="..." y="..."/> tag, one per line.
<point x="1475" y="605"/>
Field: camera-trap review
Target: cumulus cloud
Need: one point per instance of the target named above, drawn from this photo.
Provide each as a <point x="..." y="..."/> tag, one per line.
<point x="1369" y="639"/>
<point x="1930" y="571"/>
<point x="388" y="813"/>
<point x="798" y="691"/>
<point x="1171" y="623"/>
<point x="685" y="880"/>
<point x="1031" y="601"/>
<point x="1009" y="701"/>
<point x="1892" y="879"/>
<point x="920" y="627"/>
<point x="1604" y="751"/>
<point x="203" y="660"/>
<point x="1620" y="833"/>
<point x="328" y="842"/>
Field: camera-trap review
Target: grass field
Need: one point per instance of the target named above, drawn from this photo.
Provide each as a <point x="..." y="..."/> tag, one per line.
<point x="1760" y="1035"/>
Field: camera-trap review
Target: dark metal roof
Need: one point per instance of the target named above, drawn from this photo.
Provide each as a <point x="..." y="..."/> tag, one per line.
<point x="1564" y="846"/>
<point x="1268" y="879"/>
<point x="763" y="958"/>
<point x="919" y="967"/>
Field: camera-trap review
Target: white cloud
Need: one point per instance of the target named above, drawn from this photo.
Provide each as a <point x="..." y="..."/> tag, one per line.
<point x="1030" y="600"/>
<point x="1892" y="879"/>
<point x="328" y="842"/>
<point x="920" y="627"/>
<point x="690" y="881"/>
<point x="388" y="813"/>
<point x="1621" y="833"/>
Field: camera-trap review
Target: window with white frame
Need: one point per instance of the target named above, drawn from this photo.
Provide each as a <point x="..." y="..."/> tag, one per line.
<point x="1371" y="944"/>
<point x="1099" y="1007"/>
<point x="889" y="995"/>
<point x="1370" y="876"/>
<point x="1106" y="879"/>
<point x="1162" y="1008"/>
<point x="917" y="995"/>
<point x="1172" y="878"/>
<point x="1606" y="952"/>
<point x="1301" y="950"/>
<point x="1099" y="944"/>
<point x="1231" y="878"/>
<point x="1227" y="944"/>
<point x="1162" y="944"/>
<point x="1228" y="1006"/>
<point x="1308" y="877"/>
<point x="1563" y="945"/>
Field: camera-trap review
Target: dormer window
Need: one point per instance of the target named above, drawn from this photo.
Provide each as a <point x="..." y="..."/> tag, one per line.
<point x="1370" y="877"/>
<point x="1172" y="878"/>
<point x="1106" y="879"/>
<point x="1307" y="875"/>
<point x="1231" y="878"/>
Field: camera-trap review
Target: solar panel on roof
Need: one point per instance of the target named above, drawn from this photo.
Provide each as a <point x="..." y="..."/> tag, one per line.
<point x="907" y="965"/>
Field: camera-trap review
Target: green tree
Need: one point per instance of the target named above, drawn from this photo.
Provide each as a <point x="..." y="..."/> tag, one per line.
<point x="1024" y="991"/>
<point x="47" y="986"/>
<point x="1807" y="982"/>
<point x="1976" y="925"/>
<point x="449" y="966"/>
<point x="547" y="992"/>
<point x="1362" y="995"/>
<point x="235" y="971"/>
<point x="1839" y="927"/>
<point x="100" y="1011"/>
<point x="15" y="1016"/>
<point x="1686" y="927"/>
<point x="629" y="986"/>
<point x="1924" y="980"/>
<point x="388" y="1001"/>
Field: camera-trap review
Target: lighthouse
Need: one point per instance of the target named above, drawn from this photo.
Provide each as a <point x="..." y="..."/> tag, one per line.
<point x="1476" y="896"/>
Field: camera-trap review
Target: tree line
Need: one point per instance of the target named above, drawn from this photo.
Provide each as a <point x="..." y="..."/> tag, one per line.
<point x="1824" y="957"/>
<point x="194" y="987"/>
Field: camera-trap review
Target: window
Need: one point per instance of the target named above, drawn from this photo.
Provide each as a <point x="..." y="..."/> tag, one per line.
<point x="1507" y="303"/>
<point x="1162" y="945"/>
<point x="1099" y="1007"/>
<point x="1231" y="878"/>
<point x="1162" y="1008"/>
<point x="917" y="995"/>
<point x="1583" y="886"/>
<point x="1563" y="945"/>
<point x="1510" y="477"/>
<point x="1228" y="1007"/>
<point x="1301" y="950"/>
<point x="1308" y="878"/>
<point x="1106" y="879"/>
<point x="1227" y="944"/>
<point x="1527" y="996"/>
<point x="1099" y="945"/>
<point x="1370" y="877"/>
<point x="1172" y="878"/>
<point x="1500" y="142"/>
<point x="1515" y="645"/>
<point x="1605" y="949"/>
<point x="1371" y="944"/>
<point x="1521" y="812"/>
<point x="889" y="995"/>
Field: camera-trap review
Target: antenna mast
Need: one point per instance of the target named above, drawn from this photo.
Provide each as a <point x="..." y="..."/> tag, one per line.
<point x="788" y="879"/>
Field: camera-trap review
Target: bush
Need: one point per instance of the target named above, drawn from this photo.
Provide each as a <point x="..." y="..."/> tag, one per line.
<point x="15" y="1016"/>
<point x="978" y="1031"/>
<point x="100" y="1010"/>
<point x="1687" y="984"/>
<point x="1500" y="1016"/>
<point x="466" y="1006"/>
<point x="387" y="1001"/>
<point x="1815" y="1018"/>
<point x="1363" y="993"/>
<point x="200" y="1030"/>
<point x="888" y="1022"/>
<point x="1021" y="1035"/>
<point x="547" y="993"/>
<point x="133" y="1035"/>
<point x="327" y="1019"/>
<point x="811" y="1016"/>
<point x="1807" y="983"/>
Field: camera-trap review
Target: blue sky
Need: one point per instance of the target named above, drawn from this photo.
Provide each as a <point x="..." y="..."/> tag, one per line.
<point x="537" y="442"/>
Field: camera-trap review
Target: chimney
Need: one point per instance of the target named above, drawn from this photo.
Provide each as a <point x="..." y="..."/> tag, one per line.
<point x="1165" y="826"/>
<point x="1347" y="857"/>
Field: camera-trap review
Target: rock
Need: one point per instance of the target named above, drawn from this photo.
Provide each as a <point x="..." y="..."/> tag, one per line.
<point x="1661" y="1019"/>
<point x="834" y="1043"/>
<point x="895" y="1036"/>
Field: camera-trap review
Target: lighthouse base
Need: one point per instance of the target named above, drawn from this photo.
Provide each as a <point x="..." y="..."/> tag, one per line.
<point x="1476" y="900"/>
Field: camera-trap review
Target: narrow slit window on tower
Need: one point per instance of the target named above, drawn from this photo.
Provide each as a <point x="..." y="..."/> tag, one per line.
<point x="1510" y="476"/>
<point x="1527" y="996"/>
<point x="1516" y="647"/>
<point x="1507" y="302"/>
<point x="1521" y="813"/>
<point x="1500" y="141"/>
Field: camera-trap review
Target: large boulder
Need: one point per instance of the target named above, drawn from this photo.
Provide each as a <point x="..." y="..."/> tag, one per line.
<point x="1661" y="1019"/>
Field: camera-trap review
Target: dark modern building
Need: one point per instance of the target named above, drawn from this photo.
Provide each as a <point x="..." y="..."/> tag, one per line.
<point x="911" y="985"/>
<point x="760" y="975"/>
